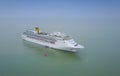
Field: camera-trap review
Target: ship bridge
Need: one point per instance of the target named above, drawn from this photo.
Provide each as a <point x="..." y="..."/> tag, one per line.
<point x="60" y="35"/>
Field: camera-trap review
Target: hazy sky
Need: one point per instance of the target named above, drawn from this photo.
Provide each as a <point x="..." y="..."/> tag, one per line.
<point x="60" y="8"/>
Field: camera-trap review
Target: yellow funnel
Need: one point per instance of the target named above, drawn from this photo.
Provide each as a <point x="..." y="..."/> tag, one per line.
<point x="36" y="29"/>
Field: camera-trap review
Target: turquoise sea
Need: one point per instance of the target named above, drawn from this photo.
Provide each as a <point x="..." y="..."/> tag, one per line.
<point x="100" y="57"/>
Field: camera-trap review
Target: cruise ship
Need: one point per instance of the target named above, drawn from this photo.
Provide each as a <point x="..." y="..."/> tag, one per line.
<point x="56" y="40"/>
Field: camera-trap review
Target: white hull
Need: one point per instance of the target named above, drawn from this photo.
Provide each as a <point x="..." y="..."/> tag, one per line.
<point x="61" y="45"/>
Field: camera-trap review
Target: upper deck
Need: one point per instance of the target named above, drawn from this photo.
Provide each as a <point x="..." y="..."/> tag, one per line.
<point x="50" y="36"/>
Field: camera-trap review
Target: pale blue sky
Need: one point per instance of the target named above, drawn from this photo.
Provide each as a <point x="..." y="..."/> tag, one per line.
<point x="60" y="8"/>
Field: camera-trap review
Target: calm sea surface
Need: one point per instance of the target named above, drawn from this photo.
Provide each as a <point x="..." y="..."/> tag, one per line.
<point x="100" y="57"/>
